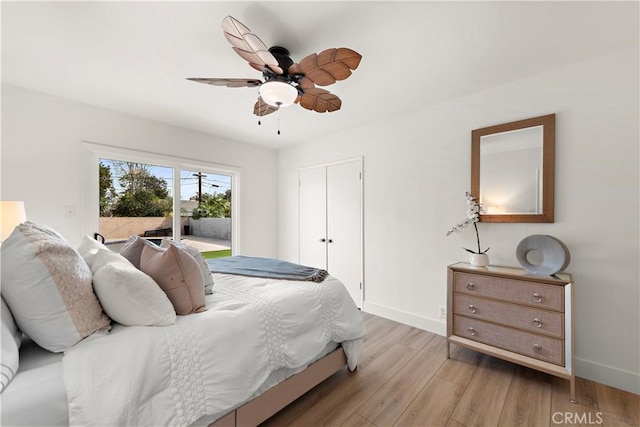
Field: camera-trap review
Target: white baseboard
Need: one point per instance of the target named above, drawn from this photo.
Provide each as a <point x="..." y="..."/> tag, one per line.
<point x="436" y="326"/>
<point x="614" y="377"/>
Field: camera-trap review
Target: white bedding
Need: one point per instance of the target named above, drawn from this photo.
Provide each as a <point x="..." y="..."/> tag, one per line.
<point x="36" y="396"/>
<point x="209" y="363"/>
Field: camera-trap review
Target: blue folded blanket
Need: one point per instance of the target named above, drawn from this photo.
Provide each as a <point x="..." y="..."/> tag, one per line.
<point x="265" y="267"/>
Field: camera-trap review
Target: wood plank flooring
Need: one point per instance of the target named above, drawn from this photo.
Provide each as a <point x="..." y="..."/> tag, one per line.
<point x="405" y="379"/>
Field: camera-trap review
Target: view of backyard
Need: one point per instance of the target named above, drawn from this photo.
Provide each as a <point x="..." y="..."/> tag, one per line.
<point x="138" y="198"/>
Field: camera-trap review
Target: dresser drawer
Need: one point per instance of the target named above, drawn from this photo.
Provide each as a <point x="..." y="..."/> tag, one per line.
<point x="526" y="343"/>
<point x="510" y="290"/>
<point x="518" y="316"/>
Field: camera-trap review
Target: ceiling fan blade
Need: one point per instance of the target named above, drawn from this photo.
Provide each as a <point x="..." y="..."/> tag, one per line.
<point x="227" y="82"/>
<point x="305" y="83"/>
<point x="249" y="46"/>
<point x="328" y="66"/>
<point x="261" y="108"/>
<point x="319" y="100"/>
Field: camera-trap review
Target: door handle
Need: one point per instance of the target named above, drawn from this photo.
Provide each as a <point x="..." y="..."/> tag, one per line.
<point x="330" y="240"/>
<point x="323" y="240"/>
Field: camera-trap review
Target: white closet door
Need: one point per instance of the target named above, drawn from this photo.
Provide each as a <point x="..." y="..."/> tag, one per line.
<point x="344" y="228"/>
<point x="313" y="217"/>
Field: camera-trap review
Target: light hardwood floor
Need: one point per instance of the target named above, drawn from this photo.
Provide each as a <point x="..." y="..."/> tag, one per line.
<point x="405" y="379"/>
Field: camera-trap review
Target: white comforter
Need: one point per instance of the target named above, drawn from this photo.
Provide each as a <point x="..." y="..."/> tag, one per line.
<point x="211" y="362"/>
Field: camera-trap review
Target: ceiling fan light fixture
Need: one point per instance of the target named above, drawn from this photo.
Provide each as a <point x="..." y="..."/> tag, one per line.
<point x="278" y="94"/>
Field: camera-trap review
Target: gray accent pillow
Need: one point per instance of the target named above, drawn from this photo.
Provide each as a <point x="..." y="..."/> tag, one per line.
<point x="132" y="250"/>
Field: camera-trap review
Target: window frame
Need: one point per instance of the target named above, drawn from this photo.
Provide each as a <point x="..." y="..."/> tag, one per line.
<point x="90" y="222"/>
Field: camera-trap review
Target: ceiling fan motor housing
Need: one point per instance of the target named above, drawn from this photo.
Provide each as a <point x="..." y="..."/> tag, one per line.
<point x="282" y="56"/>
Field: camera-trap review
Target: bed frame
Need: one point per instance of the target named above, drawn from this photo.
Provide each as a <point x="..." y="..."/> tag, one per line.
<point x="267" y="404"/>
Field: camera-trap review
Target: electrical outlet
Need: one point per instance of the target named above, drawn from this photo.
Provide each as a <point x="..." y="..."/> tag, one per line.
<point x="442" y="311"/>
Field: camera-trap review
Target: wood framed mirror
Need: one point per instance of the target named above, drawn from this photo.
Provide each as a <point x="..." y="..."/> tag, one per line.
<point x="513" y="169"/>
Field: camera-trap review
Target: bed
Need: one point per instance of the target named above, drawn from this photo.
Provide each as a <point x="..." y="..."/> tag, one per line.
<point x="258" y="344"/>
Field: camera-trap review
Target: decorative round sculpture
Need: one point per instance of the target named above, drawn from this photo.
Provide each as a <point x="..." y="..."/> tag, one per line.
<point x="555" y="255"/>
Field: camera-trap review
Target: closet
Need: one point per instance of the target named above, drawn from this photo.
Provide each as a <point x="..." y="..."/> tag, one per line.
<point x="330" y="209"/>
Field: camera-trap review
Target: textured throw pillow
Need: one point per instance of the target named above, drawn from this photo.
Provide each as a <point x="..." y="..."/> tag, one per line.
<point x="129" y="296"/>
<point x="207" y="277"/>
<point x="11" y="340"/>
<point x="178" y="275"/>
<point x="132" y="249"/>
<point x="47" y="286"/>
<point x="89" y="248"/>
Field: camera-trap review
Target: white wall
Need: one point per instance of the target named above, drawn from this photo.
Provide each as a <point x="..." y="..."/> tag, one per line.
<point x="417" y="168"/>
<point x="43" y="161"/>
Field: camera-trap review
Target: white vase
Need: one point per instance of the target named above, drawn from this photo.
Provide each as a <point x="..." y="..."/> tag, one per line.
<point x="479" y="260"/>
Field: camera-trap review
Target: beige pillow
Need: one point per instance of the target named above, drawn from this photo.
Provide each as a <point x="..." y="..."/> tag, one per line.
<point x="178" y="275"/>
<point x="207" y="277"/>
<point x="47" y="286"/>
<point x="128" y="295"/>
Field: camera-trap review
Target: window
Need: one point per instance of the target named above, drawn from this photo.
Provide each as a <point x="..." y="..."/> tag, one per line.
<point x="156" y="197"/>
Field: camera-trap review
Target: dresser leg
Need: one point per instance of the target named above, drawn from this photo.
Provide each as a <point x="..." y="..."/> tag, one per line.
<point x="572" y="386"/>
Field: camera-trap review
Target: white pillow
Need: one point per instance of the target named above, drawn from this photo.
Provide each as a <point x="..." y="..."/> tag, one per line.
<point x="129" y="296"/>
<point x="89" y="248"/>
<point x="47" y="286"/>
<point x="11" y="340"/>
<point x="207" y="277"/>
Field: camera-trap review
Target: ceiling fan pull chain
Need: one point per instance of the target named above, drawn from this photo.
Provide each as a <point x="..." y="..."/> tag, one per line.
<point x="279" y="104"/>
<point x="259" y="109"/>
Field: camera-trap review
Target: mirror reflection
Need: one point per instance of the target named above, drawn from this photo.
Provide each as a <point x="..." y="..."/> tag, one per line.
<point x="510" y="177"/>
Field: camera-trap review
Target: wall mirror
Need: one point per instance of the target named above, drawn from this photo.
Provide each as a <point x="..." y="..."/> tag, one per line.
<point x="512" y="170"/>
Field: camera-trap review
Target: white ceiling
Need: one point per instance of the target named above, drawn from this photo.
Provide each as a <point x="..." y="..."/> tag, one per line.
<point x="134" y="56"/>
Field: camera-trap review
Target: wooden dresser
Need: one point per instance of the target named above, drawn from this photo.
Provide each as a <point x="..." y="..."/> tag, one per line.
<point x="506" y="313"/>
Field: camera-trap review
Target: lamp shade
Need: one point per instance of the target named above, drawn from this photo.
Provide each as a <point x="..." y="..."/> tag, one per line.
<point x="11" y="214"/>
<point x="278" y="94"/>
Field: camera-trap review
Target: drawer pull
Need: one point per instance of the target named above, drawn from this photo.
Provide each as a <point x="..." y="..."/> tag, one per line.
<point x="472" y="309"/>
<point x="537" y="348"/>
<point x="471" y="286"/>
<point x="537" y="323"/>
<point x="536" y="297"/>
<point x="471" y="331"/>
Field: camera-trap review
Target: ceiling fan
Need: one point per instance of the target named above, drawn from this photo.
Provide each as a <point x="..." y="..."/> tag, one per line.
<point x="286" y="82"/>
